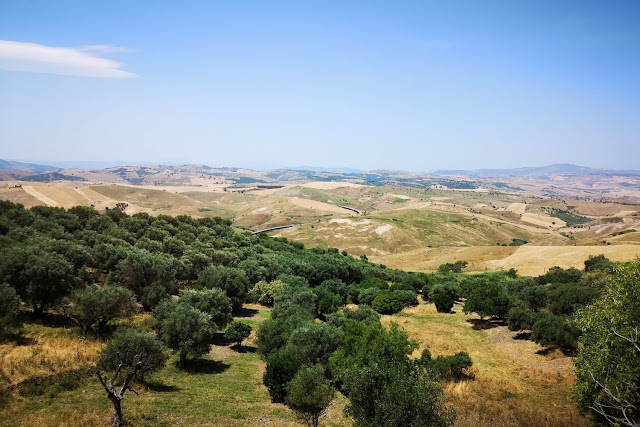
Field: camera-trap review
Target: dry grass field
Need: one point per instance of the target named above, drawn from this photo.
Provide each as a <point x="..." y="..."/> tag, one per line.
<point x="512" y="383"/>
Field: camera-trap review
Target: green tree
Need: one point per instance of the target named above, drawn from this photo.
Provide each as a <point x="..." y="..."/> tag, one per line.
<point x="443" y="302"/>
<point x="309" y="394"/>
<point x="489" y="299"/>
<point x="213" y="302"/>
<point x="95" y="306"/>
<point x="313" y="343"/>
<point x="9" y="308"/>
<point x="183" y="328"/>
<point x="391" y="395"/>
<point x="282" y="366"/>
<point x="549" y="329"/>
<point x="387" y="302"/>
<point x="231" y="280"/>
<point x="608" y="360"/>
<point x="129" y="353"/>
<point x="238" y="332"/>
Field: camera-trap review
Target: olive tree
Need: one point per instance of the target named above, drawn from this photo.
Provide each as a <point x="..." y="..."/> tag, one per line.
<point x="309" y="394"/>
<point x="129" y="353"/>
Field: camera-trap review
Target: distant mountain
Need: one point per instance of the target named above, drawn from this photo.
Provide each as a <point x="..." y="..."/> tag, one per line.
<point x="7" y="165"/>
<point x="323" y="169"/>
<point x="565" y="169"/>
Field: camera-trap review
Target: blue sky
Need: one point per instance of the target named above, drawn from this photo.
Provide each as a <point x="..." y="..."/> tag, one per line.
<point x="395" y="85"/>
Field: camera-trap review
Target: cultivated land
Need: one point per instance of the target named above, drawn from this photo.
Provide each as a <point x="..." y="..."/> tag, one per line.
<point x="409" y="221"/>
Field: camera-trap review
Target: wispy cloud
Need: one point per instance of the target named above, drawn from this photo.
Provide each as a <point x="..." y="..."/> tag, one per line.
<point x="81" y="61"/>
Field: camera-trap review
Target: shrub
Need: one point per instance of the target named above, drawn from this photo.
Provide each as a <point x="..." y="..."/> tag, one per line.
<point x="238" y="332"/>
<point x="554" y="330"/>
<point x="367" y="295"/>
<point x="451" y="367"/>
<point x="231" y="280"/>
<point x="443" y="302"/>
<point x="387" y="302"/>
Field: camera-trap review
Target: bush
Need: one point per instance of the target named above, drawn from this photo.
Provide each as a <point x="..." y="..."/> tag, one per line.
<point x="387" y="302"/>
<point x="443" y="302"/>
<point x="367" y="295"/>
<point x="409" y="297"/>
<point x="327" y="301"/>
<point x="554" y="330"/>
<point x="451" y="367"/>
<point x="238" y="332"/>
<point x="282" y="366"/>
<point x="520" y="319"/>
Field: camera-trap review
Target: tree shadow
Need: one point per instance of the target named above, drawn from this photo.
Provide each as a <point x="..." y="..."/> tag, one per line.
<point x="239" y="348"/>
<point x="526" y="336"/>
<point x="219" y="340"/>
<point x="246" y="312"/>
<point x="203" y="366"/>
<point x="478" y="324"/>
<point x="565" y="351"/>
<point x="17" y="338"/>
<point x="55" y="320"/>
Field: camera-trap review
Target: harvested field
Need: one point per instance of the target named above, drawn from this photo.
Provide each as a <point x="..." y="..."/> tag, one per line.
<point x="41" y="197"/>
<point x="518" y="208"/>
<point x="18" y="195"/>
<point x="543" y="220"/>
<point x="319" y="206"/>
<point x="536" y="260"/>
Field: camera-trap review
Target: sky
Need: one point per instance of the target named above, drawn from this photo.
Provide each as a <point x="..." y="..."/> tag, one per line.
<point x="402" y="85"/>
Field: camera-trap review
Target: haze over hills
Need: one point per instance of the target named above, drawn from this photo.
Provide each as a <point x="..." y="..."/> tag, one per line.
<point x="564" y="169"/>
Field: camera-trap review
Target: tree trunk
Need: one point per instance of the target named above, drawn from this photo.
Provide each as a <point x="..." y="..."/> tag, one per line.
<point x="117" y="420"/>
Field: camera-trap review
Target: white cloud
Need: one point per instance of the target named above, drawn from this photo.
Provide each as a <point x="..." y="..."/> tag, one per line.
<point x="37" y="58"/>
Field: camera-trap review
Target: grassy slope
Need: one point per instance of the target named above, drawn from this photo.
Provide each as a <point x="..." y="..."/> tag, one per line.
<point x="512" y="385"/>
<point x="506" y="390"/>
<point x="223" y="388"/>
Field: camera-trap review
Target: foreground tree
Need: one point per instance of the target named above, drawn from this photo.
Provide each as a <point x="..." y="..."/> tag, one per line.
<point x="488" y="300"/>
<point x="608" y="361"/>
<point x="390" y="395"/>
<point x="131" y="352"/>
<point x="309" y="394"/>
